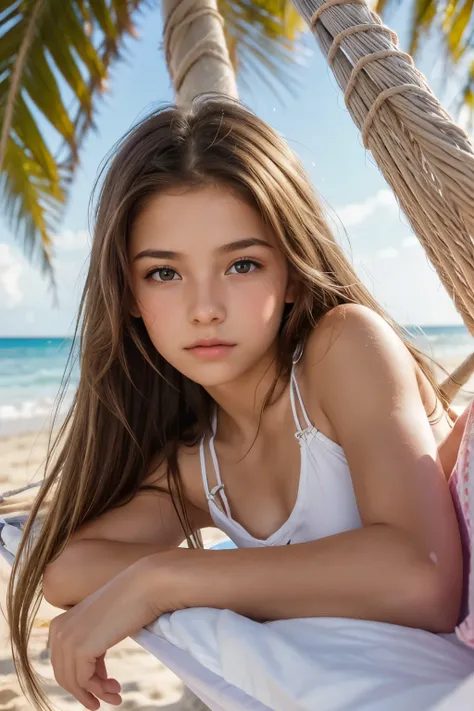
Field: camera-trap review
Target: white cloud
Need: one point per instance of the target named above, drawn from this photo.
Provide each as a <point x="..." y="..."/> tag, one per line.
<point x="357" y="212"/>
<point x="387" y="253"/>
<point x="70" y="241"/>
<point x="409" y="242"/>
<point x="407" y="285"/>
<point x="10" y="271"/>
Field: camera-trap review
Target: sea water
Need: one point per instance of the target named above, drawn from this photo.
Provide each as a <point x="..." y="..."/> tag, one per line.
<point x="32" y="369"/>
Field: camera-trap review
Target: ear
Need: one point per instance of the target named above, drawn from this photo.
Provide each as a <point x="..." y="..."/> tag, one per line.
<point x="290" y="296"/>
<point x="134" y="310"/>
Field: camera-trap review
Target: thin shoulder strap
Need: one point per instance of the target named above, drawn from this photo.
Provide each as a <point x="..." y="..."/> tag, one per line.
<point x="212" y="493"/>
<point x="294" y="387"/>
<point x="204" y="468"/>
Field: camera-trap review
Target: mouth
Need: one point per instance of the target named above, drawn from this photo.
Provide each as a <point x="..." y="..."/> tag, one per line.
<point x="210" y="349"/>
<point x="209" y="343"/>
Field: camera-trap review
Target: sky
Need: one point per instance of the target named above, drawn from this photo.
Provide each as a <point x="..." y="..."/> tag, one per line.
<point x="314" y="120"/>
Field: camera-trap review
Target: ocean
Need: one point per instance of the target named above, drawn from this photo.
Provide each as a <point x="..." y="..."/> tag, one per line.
<point x="31" y="370"/>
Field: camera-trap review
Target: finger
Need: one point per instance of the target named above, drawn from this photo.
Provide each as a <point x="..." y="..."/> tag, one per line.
<point x="61" y="666"/>
<point x="106" y="690"/>
<point x="100" y="668"/>
<point x="101" y="671"/>
<point x="82" y="695"/>
<point x="87" y="678"/>
<point x="71" y="684"/>
<point x="57" y="659"/>
<point x="109" y="686"/>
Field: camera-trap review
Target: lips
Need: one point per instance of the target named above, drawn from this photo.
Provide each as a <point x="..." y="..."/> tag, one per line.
<point x="209" y="343"/>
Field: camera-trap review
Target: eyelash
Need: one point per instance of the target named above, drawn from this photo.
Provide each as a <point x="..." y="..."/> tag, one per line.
<point x="258" y="265"/>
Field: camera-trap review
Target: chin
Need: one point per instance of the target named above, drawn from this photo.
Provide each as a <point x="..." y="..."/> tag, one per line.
<point x="214" y="378"/>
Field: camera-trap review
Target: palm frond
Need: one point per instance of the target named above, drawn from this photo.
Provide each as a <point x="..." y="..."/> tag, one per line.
<point x="455" y="23"/>
<point x="54" y="61"/>
<point x="381" y="5"/>
<point x="262" y="37"/>
<point x="425" y="12"/>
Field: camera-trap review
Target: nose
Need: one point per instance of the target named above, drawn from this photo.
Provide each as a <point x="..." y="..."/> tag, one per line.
<point x="206" y="305"/>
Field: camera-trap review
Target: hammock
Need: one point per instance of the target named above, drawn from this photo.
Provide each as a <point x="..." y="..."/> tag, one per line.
<point x="233" y="663"/>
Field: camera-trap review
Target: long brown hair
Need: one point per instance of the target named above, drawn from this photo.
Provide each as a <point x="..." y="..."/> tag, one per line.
<point x="130" y="404"/>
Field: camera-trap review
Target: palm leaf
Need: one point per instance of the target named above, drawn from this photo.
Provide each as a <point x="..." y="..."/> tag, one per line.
<point x="467" y="97"/>
<point x="425" y="12"/>
<point x="455" y="24"/>
<point x="381" y="5"/>
<point x="50" y="49"/>
<point x="454" y="27"/>
<point x="262" y="40"/>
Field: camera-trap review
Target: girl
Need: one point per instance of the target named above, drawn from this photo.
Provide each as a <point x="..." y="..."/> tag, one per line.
<point x="235" y="373"/>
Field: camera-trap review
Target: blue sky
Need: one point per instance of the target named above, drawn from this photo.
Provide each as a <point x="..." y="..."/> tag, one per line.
<point x="317" y="125"/>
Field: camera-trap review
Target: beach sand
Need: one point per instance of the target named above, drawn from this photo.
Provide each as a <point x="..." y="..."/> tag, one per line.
<point x="146" y="683"/>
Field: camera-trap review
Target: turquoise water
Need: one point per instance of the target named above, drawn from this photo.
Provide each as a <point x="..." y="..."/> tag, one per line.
<point x="443" y="341"/>
<point x="31" y="370"/>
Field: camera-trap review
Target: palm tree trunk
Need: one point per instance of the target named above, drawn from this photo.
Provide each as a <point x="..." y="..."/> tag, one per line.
<point x="196" y="50"/>
<point x="198" y="62"/>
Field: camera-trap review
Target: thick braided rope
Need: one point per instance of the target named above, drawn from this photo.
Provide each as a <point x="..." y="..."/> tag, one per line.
<point x="184" y="14"/>
<point x="427" y="160"/>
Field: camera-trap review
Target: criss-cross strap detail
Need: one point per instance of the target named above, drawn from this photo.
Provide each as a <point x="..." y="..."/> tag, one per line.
<point x="294" y="388"/>
<point x="218" y="489"/>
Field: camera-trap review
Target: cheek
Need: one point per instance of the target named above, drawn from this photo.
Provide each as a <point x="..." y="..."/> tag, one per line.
<point x="263" y="303"/>
<point x="159" y="314"/>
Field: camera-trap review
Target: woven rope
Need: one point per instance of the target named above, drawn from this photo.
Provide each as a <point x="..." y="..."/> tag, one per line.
<point x="427" y="159"/>
<point x="177" y="25"/>
<point x="14" y="492"/>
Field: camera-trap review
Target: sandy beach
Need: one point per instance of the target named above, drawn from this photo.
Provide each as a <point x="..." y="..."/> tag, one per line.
<point x="146" y="683"/>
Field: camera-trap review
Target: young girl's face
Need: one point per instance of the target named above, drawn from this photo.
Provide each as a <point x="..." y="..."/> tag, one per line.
<point x="204" y="266"/>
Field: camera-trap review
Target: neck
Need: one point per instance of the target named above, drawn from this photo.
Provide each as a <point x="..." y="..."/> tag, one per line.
<point x="239" y="403"/>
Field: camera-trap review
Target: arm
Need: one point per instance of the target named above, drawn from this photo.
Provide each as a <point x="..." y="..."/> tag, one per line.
<point x="88" y="564"/>
<point x="103" y="548"/>
<point x="404" y="565"/>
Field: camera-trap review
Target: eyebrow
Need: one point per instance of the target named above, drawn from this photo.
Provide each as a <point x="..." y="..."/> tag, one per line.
<point x="224" y="249"/>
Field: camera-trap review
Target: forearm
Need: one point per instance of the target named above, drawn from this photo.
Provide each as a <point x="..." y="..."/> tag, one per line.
<point x="87" y="565"/>
<point x="366" y="574"/>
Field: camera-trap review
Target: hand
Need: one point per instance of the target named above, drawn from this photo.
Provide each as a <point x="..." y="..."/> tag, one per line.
<point x="80" y="638"/>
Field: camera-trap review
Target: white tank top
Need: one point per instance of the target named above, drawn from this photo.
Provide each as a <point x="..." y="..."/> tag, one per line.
<point x="325" y="503"/>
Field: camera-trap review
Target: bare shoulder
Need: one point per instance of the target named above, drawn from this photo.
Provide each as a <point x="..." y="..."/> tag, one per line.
<point x="351" y="337"/>
<point x="353" y="347"/>
<point x="353" y="355"/>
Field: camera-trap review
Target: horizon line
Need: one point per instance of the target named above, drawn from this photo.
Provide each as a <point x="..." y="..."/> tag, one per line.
<point x="409" y="325"/>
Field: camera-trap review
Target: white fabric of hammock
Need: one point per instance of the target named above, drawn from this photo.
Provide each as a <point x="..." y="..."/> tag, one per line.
<point x="233" y="663"/>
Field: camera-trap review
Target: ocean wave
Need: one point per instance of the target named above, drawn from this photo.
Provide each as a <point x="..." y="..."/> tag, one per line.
<point x="31" y="409"/>
<point x="33" y="378"/>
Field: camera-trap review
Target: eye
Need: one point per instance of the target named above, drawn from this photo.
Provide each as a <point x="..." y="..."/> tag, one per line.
<point x="166" y="274"/>
<point x="243" y="264"/>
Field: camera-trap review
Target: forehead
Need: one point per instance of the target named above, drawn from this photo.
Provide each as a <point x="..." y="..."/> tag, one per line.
<point x="205" y="217"/>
